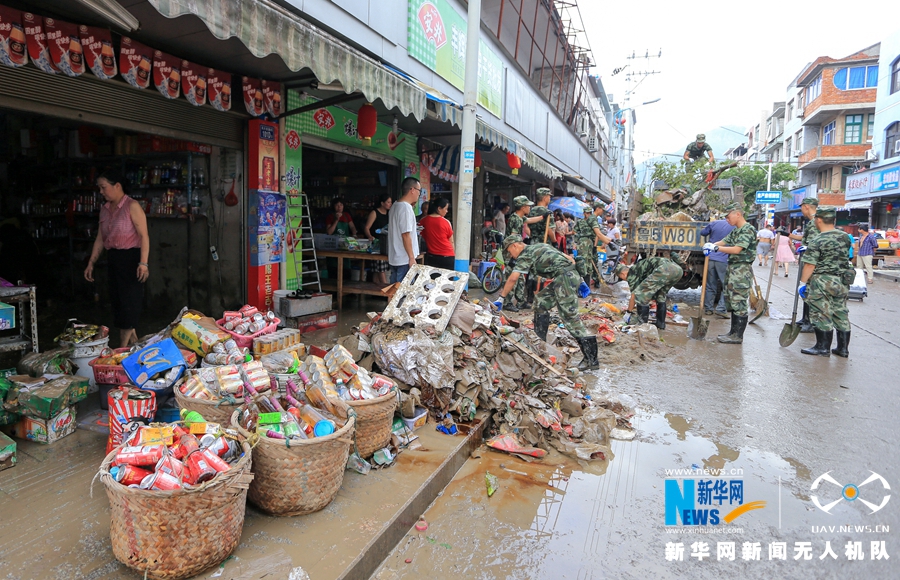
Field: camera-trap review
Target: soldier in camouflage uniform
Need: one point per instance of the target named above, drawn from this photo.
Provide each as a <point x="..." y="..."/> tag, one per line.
<point x="650" y="279"/>
<point x="587" y="236"/>
<point x="740" y="245"/>
<point x="824" y="287"/>
<point x="547" y="262"/>
<point x="537" y="220"/>
<point x="810" y="231"/>
<point x="515" y="225"/>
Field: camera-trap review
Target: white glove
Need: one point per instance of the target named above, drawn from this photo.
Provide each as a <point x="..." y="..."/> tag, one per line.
<point x="709" y="248"/>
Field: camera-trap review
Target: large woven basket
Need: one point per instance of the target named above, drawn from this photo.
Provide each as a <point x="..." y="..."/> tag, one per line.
<point x="213" y="411"/>
<point x="292" y="477"/>
<point x="374" y="419"/>
<point x="169" y="535"/>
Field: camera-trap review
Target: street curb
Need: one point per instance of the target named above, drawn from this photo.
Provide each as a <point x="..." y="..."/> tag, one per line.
<point x="380" y="547"/>
<point x="891" y="275"/>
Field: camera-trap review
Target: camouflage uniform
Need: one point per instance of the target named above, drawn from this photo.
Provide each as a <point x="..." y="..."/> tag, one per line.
<point x="514" y="224"/>
<point x="827" y="298"/>
<point x="652" y="278"/>
<point x="739" y="276"/>
<point x="538" y="228"/>
<point x="545" y="261"/>
<point x="586" y="240"/>
<point x="810" y="231"/>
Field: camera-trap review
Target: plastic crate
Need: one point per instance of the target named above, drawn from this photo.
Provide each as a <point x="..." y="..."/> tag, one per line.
<point x="110" y="374"/>
<point x="246" y="340"/>
<point x="325" y="241"/>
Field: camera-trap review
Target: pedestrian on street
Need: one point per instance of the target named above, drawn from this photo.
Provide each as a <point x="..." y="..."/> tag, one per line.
<point x="808" y="209"/>
<point x="438" y="235"/>
<point x="825" y="284"/>
<point x="650" y="279"/>
<point x="715" y="232"/>
<point x="378" y="219"/>
<point x="538" y="221"/>
<point x="124" y="235"/>
<point x="403" y="240"/>
<point x="562" y="230"/>
<point x="784" y="255"/>
<point x="587" y="236"/>
<point x="764" y="245"/>
<point x="547" y="262"/>
<point x="740" y="245"/>
<point x="865" y="251"/>
<point x="516" y="225"/>
<point x="500" y="218"/>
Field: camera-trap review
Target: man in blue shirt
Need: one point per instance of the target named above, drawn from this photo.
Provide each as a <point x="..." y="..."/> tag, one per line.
<point x="866" y="251"/>
<point x="718" y="264"/>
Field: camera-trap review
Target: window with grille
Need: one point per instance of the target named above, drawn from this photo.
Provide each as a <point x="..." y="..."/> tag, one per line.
<point x="892" y="141"/>
<point x="853" y="130"/>
<point x="828" y="133"/>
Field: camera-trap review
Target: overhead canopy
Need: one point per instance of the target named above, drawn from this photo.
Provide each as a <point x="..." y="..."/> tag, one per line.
<point x="267" y="29"/>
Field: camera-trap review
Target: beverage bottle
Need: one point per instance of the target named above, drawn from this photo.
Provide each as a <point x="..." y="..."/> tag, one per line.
<point x="291" y="427"/>
<point x="342" y="390"/>
<point x="317" y="396"/>
<point x="321" y="426"/>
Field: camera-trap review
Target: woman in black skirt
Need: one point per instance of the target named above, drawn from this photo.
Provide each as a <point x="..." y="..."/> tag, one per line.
<point x="123" y="233"/>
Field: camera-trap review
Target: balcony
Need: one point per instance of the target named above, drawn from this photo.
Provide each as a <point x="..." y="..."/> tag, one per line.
<point x="825" y="155"/>
<point x="824" y="109"/>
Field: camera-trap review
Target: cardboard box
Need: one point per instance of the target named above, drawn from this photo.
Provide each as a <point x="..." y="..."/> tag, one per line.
<point x="198" y="335"/>
<point x="7" y="316"/>
<point x="285" y="306"/>
<point x="313" y="322"/>
<point x="150" y="360"/>
<point x="7" y="452"/>
<point x="46" y="430"/>
<point x="51" y="398"/>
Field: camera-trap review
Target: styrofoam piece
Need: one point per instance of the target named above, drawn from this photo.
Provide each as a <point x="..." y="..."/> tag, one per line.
<point x="426" y="298"/>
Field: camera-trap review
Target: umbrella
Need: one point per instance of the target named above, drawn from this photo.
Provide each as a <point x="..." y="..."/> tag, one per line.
<point x="570" y="205"/>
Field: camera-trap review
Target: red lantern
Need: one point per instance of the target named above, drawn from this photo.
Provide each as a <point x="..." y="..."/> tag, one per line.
<point x="514" y="162"/>
<point x="889" y="207"/>
<point x="477" y="161"/>
<point x="366" y="123"/>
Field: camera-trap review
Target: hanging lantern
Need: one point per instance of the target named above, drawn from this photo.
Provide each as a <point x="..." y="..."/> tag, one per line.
<point x="477" y="161"/>
<point x="514" y="162"/>
<point x="889" y="207"/>
<point x="366" y="123"/>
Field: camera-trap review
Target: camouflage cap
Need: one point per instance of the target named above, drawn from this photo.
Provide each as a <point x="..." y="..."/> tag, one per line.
<point x="598" y="205"/>
<point x="543" y="192"/>
<point x="701" y="137"/>
<point x="810" y="201"/>
<point x="826" y="211"/>
<point x="521" y="200"/>
<point x="733" y="207"/>
<point x="510" y="240"/>
<point x="620" y="268"/>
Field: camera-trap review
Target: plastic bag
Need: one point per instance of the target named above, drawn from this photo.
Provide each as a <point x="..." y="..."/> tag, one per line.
<point x="54" y="362"/>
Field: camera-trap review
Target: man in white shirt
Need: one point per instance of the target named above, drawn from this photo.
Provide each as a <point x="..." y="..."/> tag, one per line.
<point x="403" y="240"/>
<point x="764" y="246"/>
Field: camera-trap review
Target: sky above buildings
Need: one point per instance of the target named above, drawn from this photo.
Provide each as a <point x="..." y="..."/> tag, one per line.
<point x="721" y="64"/>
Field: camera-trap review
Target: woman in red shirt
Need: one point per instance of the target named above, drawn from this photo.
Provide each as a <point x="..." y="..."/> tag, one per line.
<point x="339" y="223"/>
<point x="438" y="235"/>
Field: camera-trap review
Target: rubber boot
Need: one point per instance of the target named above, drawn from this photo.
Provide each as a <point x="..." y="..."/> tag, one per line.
<point x="736" y="334"/>
<point x="805" y="325"/>
<point x="843" y="341"/>
<point x="541" y="325"/>
<point x="588" y="346"/>
<point x="823" y="343"/>
<point x="661" y="314"/>
<point x="529" y="294"/>
<point x="643" y="312"/>
<point x="511" y="307"/>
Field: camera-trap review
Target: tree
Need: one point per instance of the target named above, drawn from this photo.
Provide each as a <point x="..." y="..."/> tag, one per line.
<point x="755" y="178"/>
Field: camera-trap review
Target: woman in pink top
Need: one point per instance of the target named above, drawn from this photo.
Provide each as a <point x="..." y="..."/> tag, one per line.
<point x="123" y="233"/>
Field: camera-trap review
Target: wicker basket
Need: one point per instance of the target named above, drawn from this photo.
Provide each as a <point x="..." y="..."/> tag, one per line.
<point x="213" y="411"/>
<point x="293" y="478"/>
<point x="170" y="535"/>
<point x="374" y="419"/>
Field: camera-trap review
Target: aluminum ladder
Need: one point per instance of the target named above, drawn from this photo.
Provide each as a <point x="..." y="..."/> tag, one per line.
<point x="306" y="262"/>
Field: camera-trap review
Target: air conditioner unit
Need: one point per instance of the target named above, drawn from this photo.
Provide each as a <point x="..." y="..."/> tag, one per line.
<point x="795" y="153"/>
<point x="592" y="144"/>
<point x="799" y="112"/>
<point x="871" y="155"/>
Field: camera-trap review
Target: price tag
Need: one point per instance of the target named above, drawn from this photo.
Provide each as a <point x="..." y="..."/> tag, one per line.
<point x="269" y="418"/>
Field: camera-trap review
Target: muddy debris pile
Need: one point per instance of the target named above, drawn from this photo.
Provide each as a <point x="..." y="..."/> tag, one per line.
<point x="485" y="361"/>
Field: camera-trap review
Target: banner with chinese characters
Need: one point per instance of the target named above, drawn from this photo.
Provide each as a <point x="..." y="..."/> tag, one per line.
<point x="98" y="51"/>
<point x="13" y="48"/>
<point x="65" y="46"/>
<point x="437" y="38"/>
<point x="293" y="172"/>
<point x="135" y="63"/>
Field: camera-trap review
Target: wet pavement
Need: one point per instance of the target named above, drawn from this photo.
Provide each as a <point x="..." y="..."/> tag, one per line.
<point x="771" y="418"/>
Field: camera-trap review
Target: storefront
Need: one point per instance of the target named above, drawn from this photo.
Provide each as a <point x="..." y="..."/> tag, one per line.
<point x="787" y="212"/>
<point x="879" y="187"/>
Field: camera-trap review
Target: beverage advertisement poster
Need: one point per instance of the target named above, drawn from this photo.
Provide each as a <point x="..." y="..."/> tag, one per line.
<point x="13" y="46"/>
<point x="272" y="96"/>
<point x="253" y="96"/>
<point x="135" y="62"/>
<point x="98" y="51"/>
<point x="193" y="83"/>
<point x="167" y="74"/>
<point x="36" y="40"/>
<point x="65" y="46"/>
<point x="218" y="87"/>
<point x="267" y="230"/>
<point x="264" y="174"/>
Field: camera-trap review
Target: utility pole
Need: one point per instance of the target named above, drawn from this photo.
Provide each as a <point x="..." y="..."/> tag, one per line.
<point x="463" y="234"/>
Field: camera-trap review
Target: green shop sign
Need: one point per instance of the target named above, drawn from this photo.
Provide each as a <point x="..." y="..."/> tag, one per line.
<point x="437" y="39"/>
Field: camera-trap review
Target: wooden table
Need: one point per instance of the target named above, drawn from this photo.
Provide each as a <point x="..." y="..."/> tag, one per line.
<point x="342" y="287"/>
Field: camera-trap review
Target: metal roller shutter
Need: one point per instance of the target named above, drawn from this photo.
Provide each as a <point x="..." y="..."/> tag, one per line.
<point x="117" y="104"/>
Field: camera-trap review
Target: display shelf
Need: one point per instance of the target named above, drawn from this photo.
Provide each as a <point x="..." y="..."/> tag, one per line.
<point x="21" y="296"/>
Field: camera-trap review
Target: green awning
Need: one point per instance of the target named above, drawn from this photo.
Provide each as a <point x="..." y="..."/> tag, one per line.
<point x="266" y="29"/>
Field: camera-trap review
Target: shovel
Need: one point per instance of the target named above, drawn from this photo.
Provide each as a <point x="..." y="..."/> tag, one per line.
<point x="791" y="331"/>
<point x="697" y="326"/>
<point x="765" y="307"/>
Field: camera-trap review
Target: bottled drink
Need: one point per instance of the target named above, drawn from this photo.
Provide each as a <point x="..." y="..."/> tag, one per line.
<point x="321" y="426"/>
<point x="317" y="396"/>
